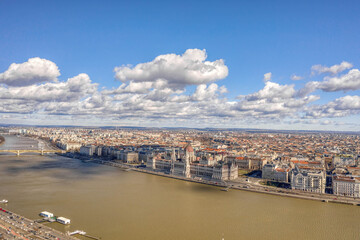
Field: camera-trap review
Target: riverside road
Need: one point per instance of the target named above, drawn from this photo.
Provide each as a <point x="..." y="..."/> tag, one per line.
<point x="13" y="226"/>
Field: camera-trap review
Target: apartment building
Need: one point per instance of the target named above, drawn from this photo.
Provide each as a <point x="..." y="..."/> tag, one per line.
<point x="346" y="186"/>
<point x="276" y="172"/>
<point x="310" y="180"/>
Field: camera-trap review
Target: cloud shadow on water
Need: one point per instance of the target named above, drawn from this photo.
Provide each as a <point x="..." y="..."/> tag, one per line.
<point x="54" y="166"/>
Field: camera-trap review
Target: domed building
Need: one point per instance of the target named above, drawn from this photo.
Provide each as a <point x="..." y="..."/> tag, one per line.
<point x="189" y="153"/>
<point x="184" y="164"/>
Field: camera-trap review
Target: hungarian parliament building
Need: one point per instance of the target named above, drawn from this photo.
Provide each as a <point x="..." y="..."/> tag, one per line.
<point x="186" y="164"/>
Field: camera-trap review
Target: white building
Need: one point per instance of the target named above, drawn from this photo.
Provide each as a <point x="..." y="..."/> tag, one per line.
<point x="68" y="146"/>
<point x="310" y="180"/>
<point x="98" y="151"/>
<point x="186" y="166"/>
<point x="87" y="150"/>
<point x="127" y="156"/>
<point x="346" y="186"/>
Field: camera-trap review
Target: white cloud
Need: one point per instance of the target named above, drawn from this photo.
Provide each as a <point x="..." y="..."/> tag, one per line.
<point x="175" y="71"/>
<point x="335" y="69"/>
<point x="309" y="88"/>
<point x="204" y="92"/>
<point x="156" y="92"/>
<point x="273" y="101"/>
<point x="346" y="82"/>
<point x="72" y="90"/>
<point x="273" y="90"/>
<point x="294" y="77"/>
<point x="267" y="76"/>
<point x="340" y="107"/>
<point x="35" y="70"/>
<point x="131" y="87"/>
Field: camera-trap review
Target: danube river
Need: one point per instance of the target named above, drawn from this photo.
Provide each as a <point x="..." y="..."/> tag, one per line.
<point x="110" y="203"/>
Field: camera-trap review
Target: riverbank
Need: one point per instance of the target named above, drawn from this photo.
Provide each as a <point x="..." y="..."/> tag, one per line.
<point x="326" y="198"/>
<point x="272" y="191"/>
<point x="14" y="226"/>
<point x="116" y="203"/>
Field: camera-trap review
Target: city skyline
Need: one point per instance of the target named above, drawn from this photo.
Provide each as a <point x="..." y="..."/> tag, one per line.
<point x="247" y="68"/>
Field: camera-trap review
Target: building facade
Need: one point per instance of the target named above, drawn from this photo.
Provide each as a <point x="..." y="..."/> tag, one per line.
<point x="275" y="172"/>
<point x="346" y="186"/>
<point x="186" y="166"/>
<point x="87" y="150"/>
<point x="308" y="180"/>
<point x="128" y="157"/>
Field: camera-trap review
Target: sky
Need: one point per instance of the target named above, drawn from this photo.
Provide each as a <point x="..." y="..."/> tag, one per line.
<point x="223" y="64"/>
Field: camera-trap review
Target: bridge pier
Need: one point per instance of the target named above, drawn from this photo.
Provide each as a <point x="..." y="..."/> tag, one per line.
<point x="18" y="153"/>
<point x="42" y="153"/>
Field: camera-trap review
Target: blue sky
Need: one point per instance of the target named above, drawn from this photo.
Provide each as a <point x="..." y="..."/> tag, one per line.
<point x="252" y="37"/>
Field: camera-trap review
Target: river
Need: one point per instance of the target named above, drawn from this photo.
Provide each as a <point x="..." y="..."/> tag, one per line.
<point x="113" y="204"/>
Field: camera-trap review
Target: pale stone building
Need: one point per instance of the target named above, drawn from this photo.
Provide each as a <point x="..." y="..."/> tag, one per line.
<point x="88" y="150"/>
<point x="346" y="186"/>
<point x="248" y="163"/>
<point x="185" y="165"/>
<point x="128" y="156"/>
<point x="69" y="146"/>
<point x="276" y="172"/>
<point x="308" y="180"/>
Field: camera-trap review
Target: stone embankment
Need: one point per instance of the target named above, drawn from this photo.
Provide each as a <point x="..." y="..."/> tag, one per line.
<point x="242" y="186"/>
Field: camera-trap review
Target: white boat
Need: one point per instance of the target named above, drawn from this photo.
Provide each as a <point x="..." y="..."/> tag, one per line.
<point x="46" y="214"/>
<point x="63" y="220"/>
<point x="4" y="201"/>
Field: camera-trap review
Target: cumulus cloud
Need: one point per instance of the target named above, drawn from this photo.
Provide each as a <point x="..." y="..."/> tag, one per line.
<point x="346" y="82"/>
<point x="340" y="107"/>
<point x="274" y="101"/>
<point x="335" y="69"/>
<point x="72" y="90"/>
<point x="267" y="76"/>
<point x="204" y="92"/>
<point x="294" y="77"/>
<point x="273" y="90"/>
<point x="157" y="91"/>
<point x="35" y="70"/>
<point x="175" y="71"/>
<point x="131" y="87"/>
<point x="307" y="89"/>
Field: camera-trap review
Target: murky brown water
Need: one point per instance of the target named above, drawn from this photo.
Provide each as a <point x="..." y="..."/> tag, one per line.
<point x="113" y="204"/>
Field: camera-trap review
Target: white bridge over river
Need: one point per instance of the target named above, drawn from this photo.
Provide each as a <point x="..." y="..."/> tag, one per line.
<point x="41" y="151"/>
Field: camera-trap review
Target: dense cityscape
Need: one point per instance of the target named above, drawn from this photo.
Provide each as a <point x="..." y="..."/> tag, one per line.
<point x="309" y="165"/>
<point x="310" y="162"/>
<point x="179" y="120"/>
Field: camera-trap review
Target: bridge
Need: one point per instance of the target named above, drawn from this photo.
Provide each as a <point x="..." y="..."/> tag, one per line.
<point x="41" y="151"/>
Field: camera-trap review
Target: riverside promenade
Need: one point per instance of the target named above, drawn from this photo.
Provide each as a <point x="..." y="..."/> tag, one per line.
<point x="241" y="185"/>
<point x="14" y="226"/>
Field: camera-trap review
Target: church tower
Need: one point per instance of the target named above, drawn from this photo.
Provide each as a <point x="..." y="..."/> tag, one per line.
<point x="173" y="159"/>
<point x="189" y="157"/>
<point x="151" y="162"/>
<point x="189" y="153"/>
